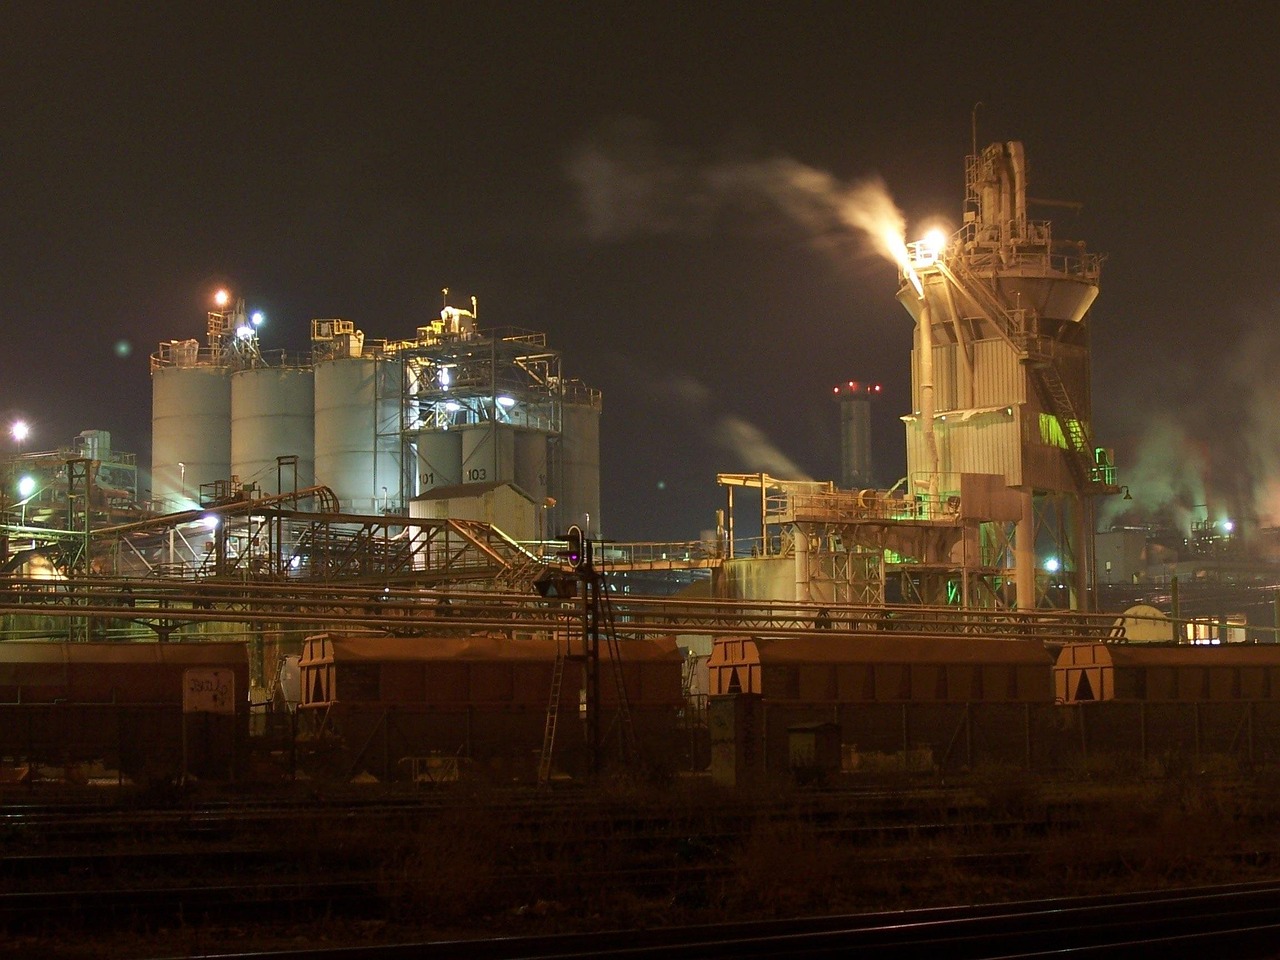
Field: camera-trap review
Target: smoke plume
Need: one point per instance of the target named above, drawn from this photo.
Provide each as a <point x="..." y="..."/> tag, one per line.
<point x="754" y="451"/>
<point x="1213" y="452"/>
<point x="627" y="187"/>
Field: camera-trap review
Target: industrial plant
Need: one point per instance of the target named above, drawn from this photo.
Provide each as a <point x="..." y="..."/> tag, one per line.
<point x="400" y="541"/>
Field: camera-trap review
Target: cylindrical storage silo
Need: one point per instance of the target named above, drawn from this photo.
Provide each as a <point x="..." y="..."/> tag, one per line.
<point x="578" y="499"/>
<point x="273" y="415"/>
<point x="190" y="433"/>
<point x="357" y="435"/>
<point x="531" y="465"/>
<point x="488" y="453"/>
<point x="439" y="459"/>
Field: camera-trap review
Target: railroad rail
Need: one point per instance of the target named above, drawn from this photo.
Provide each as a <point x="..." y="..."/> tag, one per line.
<point x="1236" y="920"/>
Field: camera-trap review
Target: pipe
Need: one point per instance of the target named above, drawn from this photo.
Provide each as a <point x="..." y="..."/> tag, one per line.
<point x="1018" y="193"/>
<point x="924" y="348"/>
<point x="1024" y="553"/>
<point x="801" y="555"/>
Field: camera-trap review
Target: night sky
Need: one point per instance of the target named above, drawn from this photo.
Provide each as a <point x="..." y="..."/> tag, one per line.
<point x="602" y="172"/>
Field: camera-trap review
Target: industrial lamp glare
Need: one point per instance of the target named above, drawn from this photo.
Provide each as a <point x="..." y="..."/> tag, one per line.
<point x="935" y="241"/>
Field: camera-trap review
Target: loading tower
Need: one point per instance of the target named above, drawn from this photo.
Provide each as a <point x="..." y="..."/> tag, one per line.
<point x="1000" y="381"/>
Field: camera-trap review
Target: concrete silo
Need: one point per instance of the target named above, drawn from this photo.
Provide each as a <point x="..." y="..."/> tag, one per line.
<point x="190" y="423"/>
<point x="273" y="416"/>
<point x="488" y="408"/>
<point x="578" y="491"/>
<point x="358" y="429"/>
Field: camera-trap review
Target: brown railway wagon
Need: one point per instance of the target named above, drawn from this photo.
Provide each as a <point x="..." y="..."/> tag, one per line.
<point x="1185" y="700"/>
<point x="830" y="669"/>
<point x="120" y="703"/>
<point x="1087" y="672"/>
<point x="949" y="699"/>
<point x="482" y="699"/>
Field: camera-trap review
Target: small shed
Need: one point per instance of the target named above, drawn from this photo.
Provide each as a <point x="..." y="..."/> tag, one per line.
<point x="1087" y="672"/>
<point x="896" y="668"/>
<point x="504" y="505"/>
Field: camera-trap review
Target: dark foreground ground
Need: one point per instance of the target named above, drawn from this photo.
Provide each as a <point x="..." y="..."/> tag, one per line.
<point x="464" y="862"/>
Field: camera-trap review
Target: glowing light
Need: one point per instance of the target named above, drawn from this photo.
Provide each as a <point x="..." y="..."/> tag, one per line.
<point x="443" y="377"/>
<point x="1228" y="526"/>
<point x="26" y="486"/>
<point x="209" y="521"/>
<point x="935" y="242"/>
<point x="1052" y="565"/>
<point x="257" y="318"/>
<point x="453" y="406"/>
<point x="20" y="430"/>
<point x="506" y="401"/>
<point x="244" y="333"/>
<point x="222" y="298"/>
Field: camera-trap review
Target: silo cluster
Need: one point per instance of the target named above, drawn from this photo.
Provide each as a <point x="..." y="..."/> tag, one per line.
<point x="434" y="426"/>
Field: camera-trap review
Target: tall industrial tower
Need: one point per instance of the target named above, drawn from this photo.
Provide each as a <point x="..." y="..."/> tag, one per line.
<point x="855" y="399"/>
<point x="1000" y="383"/>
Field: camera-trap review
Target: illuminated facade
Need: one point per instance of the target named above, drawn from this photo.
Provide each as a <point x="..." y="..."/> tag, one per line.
<point x="1000" y="386"/>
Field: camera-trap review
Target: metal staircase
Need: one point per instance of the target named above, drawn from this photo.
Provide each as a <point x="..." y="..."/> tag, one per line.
<point x="1012" y="325"/>
<point x="1057" y="400"/>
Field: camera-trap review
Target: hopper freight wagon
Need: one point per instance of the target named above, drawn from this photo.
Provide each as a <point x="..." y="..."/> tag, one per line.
<point x="832" y="702"/>
<point x="1166" y="700"/>
<point x="126" y="705"/>
<point x="386" y="704"/>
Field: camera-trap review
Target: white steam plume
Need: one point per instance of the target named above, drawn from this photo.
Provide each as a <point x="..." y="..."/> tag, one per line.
<point x="1188" y="467"/>
<point x="629" y="187"/>
<point x="1167" y="477"/>
<point x="755" y="452"/>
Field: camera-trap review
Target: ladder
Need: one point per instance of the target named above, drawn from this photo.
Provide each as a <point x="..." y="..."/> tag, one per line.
<point x="553" y="710"/>
<point x="623" y="716"/>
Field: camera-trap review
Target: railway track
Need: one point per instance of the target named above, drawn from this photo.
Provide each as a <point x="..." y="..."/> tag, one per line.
<point x="1239" y="921"/>
<point x="87" y="869"/>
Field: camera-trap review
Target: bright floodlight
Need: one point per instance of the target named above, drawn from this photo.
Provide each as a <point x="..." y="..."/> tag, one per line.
<point x="443" y="377"/>
<point x="1052" y="565"/>
<point x="209" y="521"/>
<point x="935" y="241"/>
<point x="222" y="298"/>
<point x="257" y="318"/>
<point x="1228" y="526"/>
<point x="26" y="487"/>
<point x="20" y="430"/>
<point x="506" y="401"/>
<point x="245" y="332"/>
